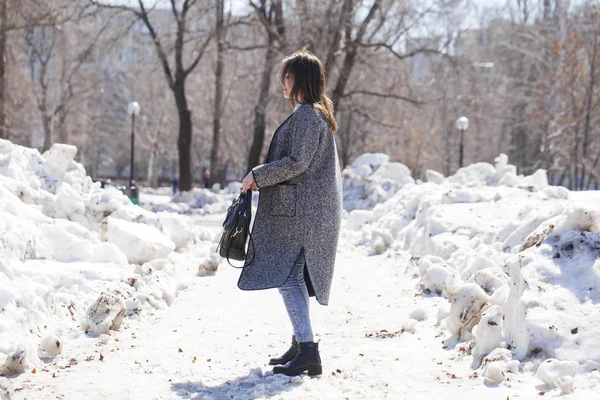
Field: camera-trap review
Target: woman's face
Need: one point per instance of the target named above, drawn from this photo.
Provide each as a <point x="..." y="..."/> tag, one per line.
<point x="287" y="82"/>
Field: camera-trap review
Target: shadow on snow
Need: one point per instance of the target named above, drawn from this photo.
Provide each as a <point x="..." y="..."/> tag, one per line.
<point x="251" y="386"/>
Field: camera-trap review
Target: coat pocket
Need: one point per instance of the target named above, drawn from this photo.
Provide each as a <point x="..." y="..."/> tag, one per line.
<point x="284" y="200"/>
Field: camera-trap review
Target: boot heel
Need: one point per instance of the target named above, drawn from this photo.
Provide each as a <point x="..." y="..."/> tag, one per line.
<point x="315" y="370"/>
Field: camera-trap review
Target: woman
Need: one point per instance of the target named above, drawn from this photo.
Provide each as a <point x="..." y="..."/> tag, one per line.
<point x="297" y="223"/>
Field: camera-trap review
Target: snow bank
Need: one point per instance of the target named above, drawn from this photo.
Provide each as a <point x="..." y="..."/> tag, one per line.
<point x="372" y="179"/>
<point x="518" y="262"/>
<point x="210" y="201"/>
<point x="138" y="242"/>
<point x="63" y="242"/>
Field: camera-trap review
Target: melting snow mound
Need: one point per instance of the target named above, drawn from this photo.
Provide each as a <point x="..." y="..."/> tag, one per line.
<point x="517" y="260"/>
<point x="63" y="241"/>
<point x="372" y="179"/>
<point x="105" y="314"/>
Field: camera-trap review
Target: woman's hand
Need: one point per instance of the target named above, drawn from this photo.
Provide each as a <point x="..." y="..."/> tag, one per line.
<point x="248" y="183"/>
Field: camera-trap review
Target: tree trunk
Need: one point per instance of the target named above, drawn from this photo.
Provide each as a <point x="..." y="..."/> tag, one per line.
<point x="575" y="152"/>
<point x="446" y="132"/>
<point x="351" y="48"/>
<point x="547" y="9"/>
<point x="259" y="110"/>
<point x="151" y="175"/>
<point x="184" y="141"/>
<point x="338" y="93"/>
<point x="588" y="112"/>
<point x="47" y="124"/>
<point x="47" y="119"/>
<point x="562" y="177"/>
<point x="592" y="169"/>
<point x="345" y="13"/>
<point x="3" y="23"/>
<point x="346" y="137"/>
<point x="214" y="152"/>
<point x="345" y="71"/>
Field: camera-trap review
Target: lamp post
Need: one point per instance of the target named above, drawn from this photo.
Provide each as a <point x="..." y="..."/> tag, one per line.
<point x="133" y="109"/>
<point x="462" y="124"/>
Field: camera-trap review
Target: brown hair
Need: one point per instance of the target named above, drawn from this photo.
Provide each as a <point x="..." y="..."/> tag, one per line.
<point x="309" y="84"/>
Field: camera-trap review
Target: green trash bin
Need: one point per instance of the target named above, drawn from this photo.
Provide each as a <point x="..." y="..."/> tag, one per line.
<point x="134" y="194"/>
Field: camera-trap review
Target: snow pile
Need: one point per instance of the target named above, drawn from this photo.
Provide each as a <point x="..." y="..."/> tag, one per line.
<point x="558" y="373"/>
<point x="518" y="262"/>
<point x="50" y="347"/>
<point x="210" y="201"/>
<point x="489" y="334"/>
<point x="6" y="389"/>
<point x="63" y="242"/>
<point x="551" y="309"/>
<point x="16" y="362"/>
<point x="139" y="243"/>
<point x="105" y="314"/>
<point x="501" y="173"/>
<point x="51" y="210"/>
<point x="372" y="179"/>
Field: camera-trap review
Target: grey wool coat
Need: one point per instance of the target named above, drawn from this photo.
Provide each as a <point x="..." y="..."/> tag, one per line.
<point x="299" y="206"/>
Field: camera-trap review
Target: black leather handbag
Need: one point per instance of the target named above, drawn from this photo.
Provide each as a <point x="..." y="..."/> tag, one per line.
<point x="236" y="229"/>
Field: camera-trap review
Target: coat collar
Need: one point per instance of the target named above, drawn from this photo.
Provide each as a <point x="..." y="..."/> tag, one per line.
<point x="299" y="104"/>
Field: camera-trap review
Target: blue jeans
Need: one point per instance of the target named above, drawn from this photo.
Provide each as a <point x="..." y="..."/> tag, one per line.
<point x="295" y="298"/>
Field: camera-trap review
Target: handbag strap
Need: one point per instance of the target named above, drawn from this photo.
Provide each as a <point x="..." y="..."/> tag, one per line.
<point x="250" y="241"/>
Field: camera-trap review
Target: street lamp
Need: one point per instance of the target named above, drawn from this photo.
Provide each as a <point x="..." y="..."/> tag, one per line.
<point x="133" y="109"/>
<point x="462" y="124"/>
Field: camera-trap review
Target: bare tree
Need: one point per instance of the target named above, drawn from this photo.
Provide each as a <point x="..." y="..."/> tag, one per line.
<point x="177" y="72"/>
<point x="270" y="15"/>
<point x="57" y="71"/>
<point x="16" y="15"/>
<point x="218" y="106"/>
<point x="3" y="37"/>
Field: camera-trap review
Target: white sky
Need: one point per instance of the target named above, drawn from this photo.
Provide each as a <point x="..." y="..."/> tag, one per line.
<point x="480" y="11"/>
<point x="166" y="3"/>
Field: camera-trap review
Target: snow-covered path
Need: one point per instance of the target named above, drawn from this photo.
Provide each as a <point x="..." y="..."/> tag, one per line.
<point x="517" y="257"/>
<point x="226" y="337"/>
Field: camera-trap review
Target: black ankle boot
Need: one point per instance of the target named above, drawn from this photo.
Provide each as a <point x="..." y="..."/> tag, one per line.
<point x="288" y="355"/>
<point x="307" y="359"/>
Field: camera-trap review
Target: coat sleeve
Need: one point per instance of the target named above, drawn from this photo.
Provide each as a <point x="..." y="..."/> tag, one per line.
<point x="305" y="141"/>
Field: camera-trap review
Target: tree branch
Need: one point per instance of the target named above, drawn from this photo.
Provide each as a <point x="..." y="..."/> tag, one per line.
<point x="143" y="15"/>
<point x="229" y="46"/>
<point x="175" y="11"/>
<point x="201" y="51"/>
<point x="416" y="103"/>
<point x="363" y="27"/>
<point x="265" y="22"/>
